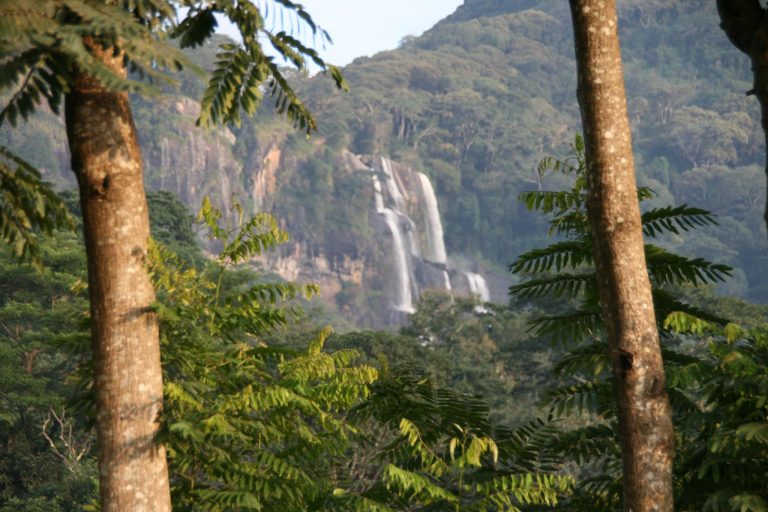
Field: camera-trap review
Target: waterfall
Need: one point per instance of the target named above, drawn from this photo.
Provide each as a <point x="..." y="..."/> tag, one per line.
<point x="405" y="300"/>
<point x="417" y="249"/>
<point x="478" y="286"/>
<point x="394" y="187"/>
<point x="259" y="191"/>
<point x="404" y="296"/>
<point x="435" y="250"/>
<point x="378" y="198"/>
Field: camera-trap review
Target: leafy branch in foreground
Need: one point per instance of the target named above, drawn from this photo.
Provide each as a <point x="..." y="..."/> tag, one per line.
<point x="28" y="207"/>
<point x="45" y="45"/>
<point x="565" y="269"/>
<point x="442" y="451"/>
<point x="242" y="68"/>
<point x="715" y="372"/>
<point x="247" y="426"/>
<point x="42" y="44"/>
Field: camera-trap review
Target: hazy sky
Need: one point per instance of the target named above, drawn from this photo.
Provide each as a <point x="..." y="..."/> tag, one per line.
<point x="364" y="27"/>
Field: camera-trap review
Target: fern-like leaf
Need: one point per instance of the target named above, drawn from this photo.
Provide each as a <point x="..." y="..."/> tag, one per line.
<point x="559" y="255"/>
<point x="674" y="219"/>
<point x="665" y="267"/>
<point x="559" y="285"/>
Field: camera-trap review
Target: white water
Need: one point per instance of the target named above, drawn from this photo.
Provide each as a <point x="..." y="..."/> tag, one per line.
<point x="411" y="249"/>
<point x="378" y="198"/>
<point x="478" y="286"/>
<point x="435" y="250"/>
<point x="393" y="189"/>
<point x="404" y="296"/>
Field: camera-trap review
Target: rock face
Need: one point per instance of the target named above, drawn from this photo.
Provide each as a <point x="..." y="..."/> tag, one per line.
<point x="366" y="229"/>
<point x="404" y="257"/>
<point x="185" y="160"/>
<point x="264" y="180"/>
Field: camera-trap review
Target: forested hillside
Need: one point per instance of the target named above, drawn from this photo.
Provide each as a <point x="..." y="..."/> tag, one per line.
<point x="474" y="104"/>
<point x="471" y="367"/>
<point x="479" y="99"/>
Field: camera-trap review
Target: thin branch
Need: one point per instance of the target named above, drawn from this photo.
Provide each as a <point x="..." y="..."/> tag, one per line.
<point x="72" y="454"/>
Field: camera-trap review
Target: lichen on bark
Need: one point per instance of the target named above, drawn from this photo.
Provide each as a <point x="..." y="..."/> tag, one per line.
<point x="624" y="288"/>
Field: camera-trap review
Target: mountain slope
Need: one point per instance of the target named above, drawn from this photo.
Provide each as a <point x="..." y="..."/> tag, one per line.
<point x="473" y="104"/>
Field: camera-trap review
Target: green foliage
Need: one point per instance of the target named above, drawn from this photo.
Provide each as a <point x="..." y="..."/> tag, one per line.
<point x="43" y="338"/>
<point x="673" y="219"/>
<point x="481" y="352"/>
<point x="718" y="393"/>
<point x="248" y="427"/>
<point x="442" y="451"/>
<point x="724" y="434"/>
<point x="171" y="224"/>
<point x="28" y="207"/>
<point x="484" y="352"/>
<point x="565" y="269"/>
<point x="41" y="314"/>
<point x="718" y="407"/>
<point x="257" y="427"/>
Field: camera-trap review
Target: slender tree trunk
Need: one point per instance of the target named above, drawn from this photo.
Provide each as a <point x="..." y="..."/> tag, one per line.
<point x="133" y="472"/>
<point x="645" y="422"/>
<point x="746" y="25"/>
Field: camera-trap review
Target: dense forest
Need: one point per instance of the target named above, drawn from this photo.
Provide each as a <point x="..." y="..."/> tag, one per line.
<point x="276" y="393"/>
<point x="474" y="104"/>
<point x="479" y="99"/>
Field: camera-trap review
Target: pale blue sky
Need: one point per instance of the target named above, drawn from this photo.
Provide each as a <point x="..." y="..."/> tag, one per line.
<point x="364" y="27"/>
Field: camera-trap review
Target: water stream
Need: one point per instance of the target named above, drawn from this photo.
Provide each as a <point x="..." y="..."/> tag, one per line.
<point x="418" y="248"/>
<point x="478" y="286"/>
<point x="404" y="299"/>
<point x="435" y="243"/>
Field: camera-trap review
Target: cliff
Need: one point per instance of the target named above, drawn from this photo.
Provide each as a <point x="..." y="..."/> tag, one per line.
<point x="411" y="182"/>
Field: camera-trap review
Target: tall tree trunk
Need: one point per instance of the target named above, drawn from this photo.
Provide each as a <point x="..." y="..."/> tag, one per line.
<point x="746" y="25"/>
<point x="133" y="472"/>
<point x="645" y="422"/>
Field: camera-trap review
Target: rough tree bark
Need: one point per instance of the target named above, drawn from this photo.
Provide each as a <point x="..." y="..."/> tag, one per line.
<point x="645" y="422"/>
<point x="133" y="472"/>
<point x="746" y="25"/>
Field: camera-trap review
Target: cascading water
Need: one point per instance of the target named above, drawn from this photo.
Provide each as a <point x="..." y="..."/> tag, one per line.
<point x="404" y="296"/>
<point x="417" y="249"/>
<point x="447" y="280"/>
<point x="482" y="287"/>
<point x="378" y="198"/>
<point x="393" y="188"/>
<point x="405" y="299"/>
<point x="478" y="286"/>
<point x="435" y="244"/>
